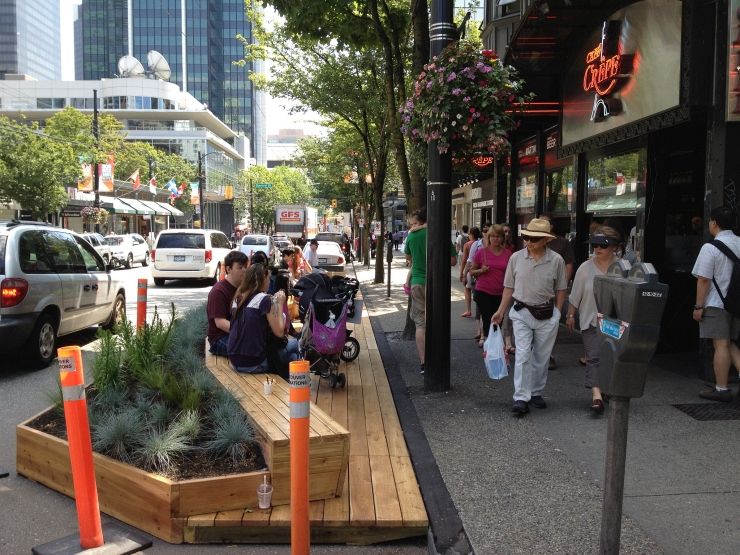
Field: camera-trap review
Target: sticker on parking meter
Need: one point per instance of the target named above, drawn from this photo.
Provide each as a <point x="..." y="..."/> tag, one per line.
<point x="612" y="328"/>
<point x="67" y="364"/>
<point x="300" y="379"/>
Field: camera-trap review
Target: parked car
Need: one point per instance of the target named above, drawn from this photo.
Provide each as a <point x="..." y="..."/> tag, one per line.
<point x="189" y="254"/>
<point x="101" y="247"/>
<point x="53" y="283"/>
<point x="129" y="248"/>
<point x="251" y="244"/>
<point x="281" y="244"/>
<point x="331" y="258"/>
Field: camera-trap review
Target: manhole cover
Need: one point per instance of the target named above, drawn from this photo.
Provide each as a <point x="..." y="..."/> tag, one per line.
<point x="711" y="411"/>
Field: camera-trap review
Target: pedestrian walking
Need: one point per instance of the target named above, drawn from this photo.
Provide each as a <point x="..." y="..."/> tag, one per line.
<point x="416" y="255"/>
<point x="605" y="243"/>
<point x="535" y="281"/>
<point x="489" y="268"/>
<point x="714" y="272"/>
<point x="465" y="278"/>
<point x="460" y="240"/>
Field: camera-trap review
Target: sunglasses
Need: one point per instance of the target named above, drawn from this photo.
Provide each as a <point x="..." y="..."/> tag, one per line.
<point x="533" y="239"/>
<point x="600" y="246"/>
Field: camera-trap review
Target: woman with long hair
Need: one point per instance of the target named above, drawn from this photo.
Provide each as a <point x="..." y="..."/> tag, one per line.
<point x="488" y="269"/>
<point x="258" y="330"/>
<point x="605" y="241"/>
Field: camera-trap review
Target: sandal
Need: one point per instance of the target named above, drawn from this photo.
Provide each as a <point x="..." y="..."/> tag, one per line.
<point x="597" y="406"/>
<point x="582" y="361"/>
<point x="466" y="314"/>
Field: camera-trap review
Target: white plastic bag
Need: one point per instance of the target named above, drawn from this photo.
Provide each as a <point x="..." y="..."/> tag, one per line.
<point x="494" y="354"/>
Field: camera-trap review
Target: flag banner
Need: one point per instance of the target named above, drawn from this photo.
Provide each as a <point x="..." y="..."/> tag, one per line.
<point x="86" y="183"/>
<point x="181" y="189"/>
<point x="105" y="178"/>
<point x="195" y="186"/>
<point x="229" y="192"/>
<point x="135" y="180"/>
<point x="171" y="186"/>
<point x="153" y="185"/>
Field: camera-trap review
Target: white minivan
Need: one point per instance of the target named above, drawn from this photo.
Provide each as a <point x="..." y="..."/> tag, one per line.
<point x="188" y="254"/>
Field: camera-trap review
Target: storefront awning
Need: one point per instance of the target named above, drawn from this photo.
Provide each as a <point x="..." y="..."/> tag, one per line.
<point x="159" y="210"/>
<point x="115" y="206"/>
<point x="174" y="211"/>
<point x="137" y="205"/>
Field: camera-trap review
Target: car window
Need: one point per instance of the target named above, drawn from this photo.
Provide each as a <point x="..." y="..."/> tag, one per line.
<point x="3" y="242"/>
<point x="220" y="241"/>
<point x="181" y="241"/>
<point x="92" y="262"/>
<point x="254" y="240"/>
<point x="32" y="256"/>
<point x="136" y="240"/>
<point x="114" y="241"/>
<point x="62" y="252"/>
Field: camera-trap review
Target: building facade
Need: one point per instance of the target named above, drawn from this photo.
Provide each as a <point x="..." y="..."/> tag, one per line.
<point x="29" y="38"/>
<point x="151" y="111"/>
<point x="198" y="38"/>
<point x="634" y="125"/>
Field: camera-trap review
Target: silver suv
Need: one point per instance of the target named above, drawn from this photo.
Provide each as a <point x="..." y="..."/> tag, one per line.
<point x="52" y="283"/>
<point x="101" y="247"/>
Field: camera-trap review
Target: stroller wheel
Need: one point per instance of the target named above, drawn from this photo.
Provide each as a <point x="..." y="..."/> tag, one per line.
<point x="341" y="380"/>
<point x="333" y="380"/>
<point x="350" y="350"/>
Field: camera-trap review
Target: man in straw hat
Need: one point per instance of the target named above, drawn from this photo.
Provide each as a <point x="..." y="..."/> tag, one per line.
<point x="535" y="281"/>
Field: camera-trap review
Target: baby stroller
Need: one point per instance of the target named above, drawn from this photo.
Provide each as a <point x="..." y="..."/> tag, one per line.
<point x="325" y="339"/>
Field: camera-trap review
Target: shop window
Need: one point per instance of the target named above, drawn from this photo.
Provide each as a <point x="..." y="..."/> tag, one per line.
<point x="559" y="190"/>
<point x="615" y="183"/>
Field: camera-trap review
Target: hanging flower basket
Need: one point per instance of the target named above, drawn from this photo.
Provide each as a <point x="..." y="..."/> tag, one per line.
<point x="465" y="100"/>
<point x="92" y="215"/>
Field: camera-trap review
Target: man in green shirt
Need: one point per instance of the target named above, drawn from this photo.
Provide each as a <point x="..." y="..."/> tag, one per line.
<point x="416" y="254"/>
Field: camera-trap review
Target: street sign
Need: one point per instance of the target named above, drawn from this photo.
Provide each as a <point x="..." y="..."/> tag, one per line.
<point x="263" y="185"/>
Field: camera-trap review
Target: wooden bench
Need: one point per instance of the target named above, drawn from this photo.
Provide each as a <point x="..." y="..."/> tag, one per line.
<point x="270" y="417"/>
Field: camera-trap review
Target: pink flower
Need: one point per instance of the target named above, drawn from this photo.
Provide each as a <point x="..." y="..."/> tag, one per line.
<point x="471" y="110"/>
<point x="456" y="92"/>
<point x="451" y="77"/>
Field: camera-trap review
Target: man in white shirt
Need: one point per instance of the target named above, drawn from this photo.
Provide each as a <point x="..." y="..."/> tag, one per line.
<point x="312" y="255"/>
<point x="713" y="270"/>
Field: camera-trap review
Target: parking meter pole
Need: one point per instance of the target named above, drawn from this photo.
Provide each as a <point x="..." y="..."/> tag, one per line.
<point x="300" y="411"/>
<point x="141" y="303"/>
<point x="389" y="258"/>
<point x="616" y="454"/>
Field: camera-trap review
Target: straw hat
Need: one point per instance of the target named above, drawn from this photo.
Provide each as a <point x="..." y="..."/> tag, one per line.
<point x="538" y="228"/>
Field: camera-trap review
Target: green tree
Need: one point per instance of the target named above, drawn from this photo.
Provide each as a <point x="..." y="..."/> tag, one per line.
<point x="75" y="127"/>
<point x="34" y="168"/>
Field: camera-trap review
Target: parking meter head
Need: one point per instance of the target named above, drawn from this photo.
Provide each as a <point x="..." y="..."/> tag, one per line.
<point x="630" y="302"/>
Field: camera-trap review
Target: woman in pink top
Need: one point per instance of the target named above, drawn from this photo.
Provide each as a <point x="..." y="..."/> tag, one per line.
<point x="489" y="267"/>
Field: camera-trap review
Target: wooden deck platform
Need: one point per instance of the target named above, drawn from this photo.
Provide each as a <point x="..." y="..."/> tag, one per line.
<point x="380" y="499"/>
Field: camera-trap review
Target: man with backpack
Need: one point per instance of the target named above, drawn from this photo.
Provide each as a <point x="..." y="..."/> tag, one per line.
<point x="717" y="308"/>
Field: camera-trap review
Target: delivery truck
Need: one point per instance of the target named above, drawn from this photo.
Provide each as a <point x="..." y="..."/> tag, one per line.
<point x="296" y="220"/>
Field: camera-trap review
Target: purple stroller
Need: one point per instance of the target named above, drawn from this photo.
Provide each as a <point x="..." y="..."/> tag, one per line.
<point x="325" y="339"/>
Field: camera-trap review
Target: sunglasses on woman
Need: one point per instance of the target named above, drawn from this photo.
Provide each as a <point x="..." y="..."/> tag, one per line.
<point x="533" y="239"/>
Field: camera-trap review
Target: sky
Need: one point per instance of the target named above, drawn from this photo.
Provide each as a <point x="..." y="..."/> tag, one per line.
<point x="278" y="116"/>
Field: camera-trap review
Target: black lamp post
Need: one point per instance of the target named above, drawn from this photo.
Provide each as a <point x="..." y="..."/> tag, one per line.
<point x="439" y="207"/>
<point x="96" y="135"/>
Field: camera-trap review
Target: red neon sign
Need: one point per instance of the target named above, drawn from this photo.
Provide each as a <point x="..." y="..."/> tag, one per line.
<point x="482" y="161"/>
<point x="601" y="76"/>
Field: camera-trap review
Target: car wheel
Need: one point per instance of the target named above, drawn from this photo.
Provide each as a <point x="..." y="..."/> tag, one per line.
<point x="159" y="282"/>
<point x="129" y="260"/>
<point x="145" y="262"/>
<point x="118" y="313"/>
<point x="42" y="343"/>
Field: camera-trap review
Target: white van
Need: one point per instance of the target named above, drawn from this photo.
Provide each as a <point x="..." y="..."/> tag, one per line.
<point x="189" y="254"/>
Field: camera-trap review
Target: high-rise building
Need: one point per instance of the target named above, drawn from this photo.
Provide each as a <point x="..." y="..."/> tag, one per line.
<point x="29" y="38"/>
<point x="196" y="37"/>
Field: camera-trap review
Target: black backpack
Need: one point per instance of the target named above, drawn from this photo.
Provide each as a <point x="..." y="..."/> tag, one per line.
<point x="732" y="299"/>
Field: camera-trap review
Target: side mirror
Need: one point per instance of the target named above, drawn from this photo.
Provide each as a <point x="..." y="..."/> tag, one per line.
<point x="109" y="267"/>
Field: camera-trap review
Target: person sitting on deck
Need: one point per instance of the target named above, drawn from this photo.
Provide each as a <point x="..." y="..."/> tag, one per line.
<point x="258" y="327"/>
<point x="220" y="298"/>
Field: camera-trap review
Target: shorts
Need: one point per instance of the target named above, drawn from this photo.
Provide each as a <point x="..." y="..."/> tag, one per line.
<point x="717" y="323"/>
<point x="469" y="283"/>
<point x="419" y="305"/>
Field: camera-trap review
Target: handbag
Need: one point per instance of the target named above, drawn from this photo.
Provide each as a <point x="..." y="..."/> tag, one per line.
<point x="494" y="356"/>
<point x="275" y="345"/>
<point x="538" y="312"/>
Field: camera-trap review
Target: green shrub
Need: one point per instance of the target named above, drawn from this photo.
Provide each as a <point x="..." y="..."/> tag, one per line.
<point x="117" y="434"/>
<point x="107" y="369"/>
<point x="162" y="448"/>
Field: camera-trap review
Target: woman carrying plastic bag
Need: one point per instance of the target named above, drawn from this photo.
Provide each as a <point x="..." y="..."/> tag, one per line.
<point x="494" y="355"/>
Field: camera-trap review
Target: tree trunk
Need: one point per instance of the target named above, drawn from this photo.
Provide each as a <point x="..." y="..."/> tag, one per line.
<point x="420" y="56"/>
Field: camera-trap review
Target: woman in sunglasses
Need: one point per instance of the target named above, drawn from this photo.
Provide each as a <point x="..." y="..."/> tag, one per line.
<point x="605" y="243"/>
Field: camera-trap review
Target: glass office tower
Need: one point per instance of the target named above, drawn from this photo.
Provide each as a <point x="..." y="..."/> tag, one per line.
<point x="196" y="37"/>
<point x="29" y="38"/>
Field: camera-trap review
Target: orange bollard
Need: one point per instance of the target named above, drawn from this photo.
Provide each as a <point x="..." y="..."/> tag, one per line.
<point x="80" y="448"/>
<point x="300" y="395"/>
<point x="141" y="303"/>
<point x="222" y="273"/>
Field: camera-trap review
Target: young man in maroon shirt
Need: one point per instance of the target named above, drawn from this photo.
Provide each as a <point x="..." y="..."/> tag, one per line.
<point x="220" y="298"/>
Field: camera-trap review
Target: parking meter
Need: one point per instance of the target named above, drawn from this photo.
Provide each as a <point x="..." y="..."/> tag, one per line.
<point x="630" y="302"/>
<point x="389" y="258"/>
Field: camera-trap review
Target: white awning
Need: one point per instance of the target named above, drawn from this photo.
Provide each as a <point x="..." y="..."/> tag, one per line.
<point x="137" y="205"/>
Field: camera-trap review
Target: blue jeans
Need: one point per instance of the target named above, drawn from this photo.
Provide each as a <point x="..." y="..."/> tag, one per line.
<point x="260" y="368"/>
<point x="220" y="347"/>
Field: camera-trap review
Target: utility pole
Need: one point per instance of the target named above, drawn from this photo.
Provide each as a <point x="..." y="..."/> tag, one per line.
<point x="96" y="135"/>
<point x="439" y="209"/>
<point x="251" y="202"/>
<point x="201" y="191"/>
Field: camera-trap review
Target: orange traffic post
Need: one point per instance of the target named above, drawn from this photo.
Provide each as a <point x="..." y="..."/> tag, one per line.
<point x="222" y="273"/>
<point x="141" y="303"/>
<point x="80" y="448"/>
<point x="300" y="407"/>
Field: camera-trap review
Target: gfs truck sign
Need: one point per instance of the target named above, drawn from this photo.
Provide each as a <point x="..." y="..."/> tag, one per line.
<point x="290" y="216"/>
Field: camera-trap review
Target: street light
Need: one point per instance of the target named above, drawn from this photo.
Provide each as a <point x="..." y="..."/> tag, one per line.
<point x="201" y="186"/>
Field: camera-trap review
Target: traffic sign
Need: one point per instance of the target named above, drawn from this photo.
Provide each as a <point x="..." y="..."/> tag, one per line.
<point x="263" y="185"/>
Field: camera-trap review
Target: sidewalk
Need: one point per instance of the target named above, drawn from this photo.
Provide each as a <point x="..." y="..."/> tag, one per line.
<point x="534" y="484"/>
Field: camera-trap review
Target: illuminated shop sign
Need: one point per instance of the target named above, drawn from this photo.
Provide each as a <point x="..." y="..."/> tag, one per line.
<point x="733" y="65"/>
<point x="482" y="161"/>
<point x="607" y="71"/>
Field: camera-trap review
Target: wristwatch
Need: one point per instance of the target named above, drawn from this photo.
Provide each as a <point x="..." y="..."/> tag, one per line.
<point x="698" y="307"/>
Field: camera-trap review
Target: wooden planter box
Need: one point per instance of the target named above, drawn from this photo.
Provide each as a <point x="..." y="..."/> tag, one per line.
<point x="149" y="502"/>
